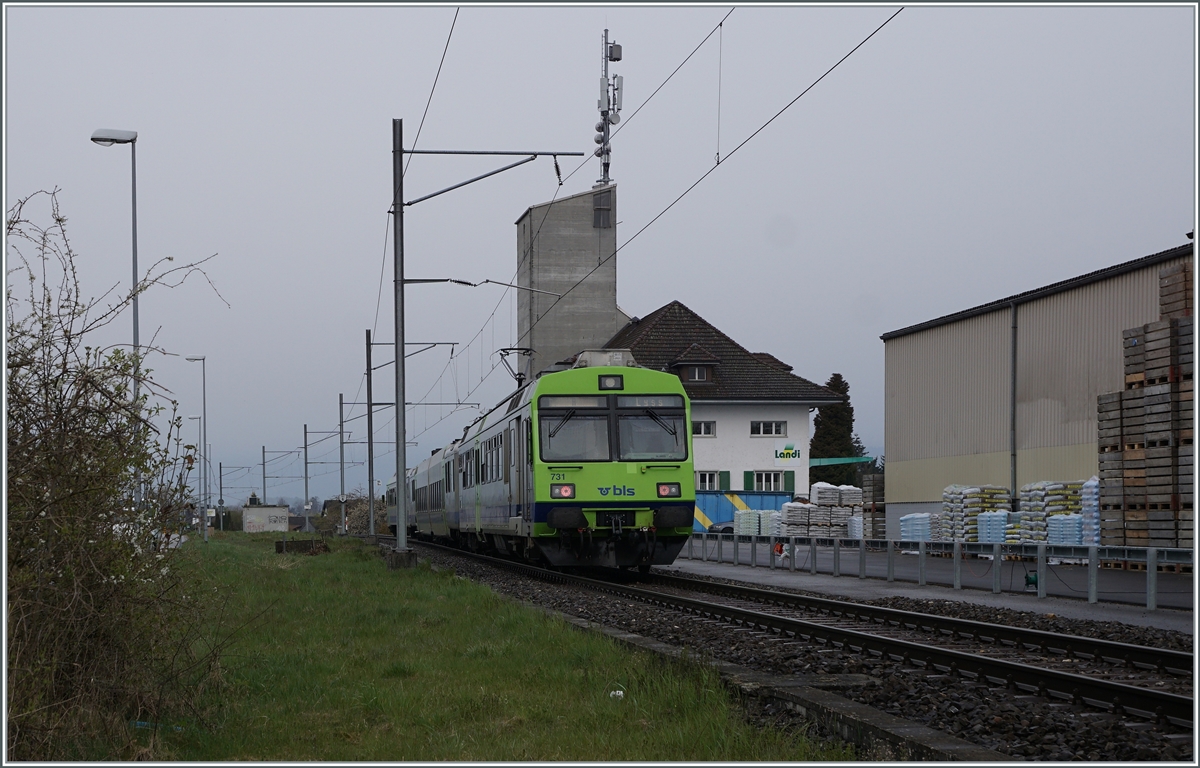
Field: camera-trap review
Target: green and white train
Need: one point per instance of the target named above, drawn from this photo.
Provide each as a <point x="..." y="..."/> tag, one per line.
<point x="590" y="466"/>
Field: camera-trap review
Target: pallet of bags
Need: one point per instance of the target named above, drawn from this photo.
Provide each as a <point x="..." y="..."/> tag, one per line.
<point x="837" y="520"/>
<point x="915" y="527"/>
<point x="854" y="527"/>
<point x="770" y="522"/>
<point x="952" y="522"/>
<point x="745" y="522"/>
<point x="824" y="495"/>
<point x="849" y="496"/>
<point x="818" y="522"/>
<point x="1064" y="529"/>
<point x="794" y="518"/>
<point x="992" y="527"/>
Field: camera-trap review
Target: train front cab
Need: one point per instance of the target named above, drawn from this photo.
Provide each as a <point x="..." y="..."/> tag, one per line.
<point x="612" y="468"/>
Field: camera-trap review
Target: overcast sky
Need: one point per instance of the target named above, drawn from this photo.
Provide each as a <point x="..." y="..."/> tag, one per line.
<point x="959" y="156"/>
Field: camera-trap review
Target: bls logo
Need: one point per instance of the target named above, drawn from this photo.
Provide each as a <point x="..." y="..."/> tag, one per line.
<point x="616" y="491"/>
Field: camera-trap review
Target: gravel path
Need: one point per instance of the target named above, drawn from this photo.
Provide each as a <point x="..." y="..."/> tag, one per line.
<point x="1024" y="727"/>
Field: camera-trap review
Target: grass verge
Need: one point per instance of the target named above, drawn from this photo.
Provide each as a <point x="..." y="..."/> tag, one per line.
<point x="340" y="659"/>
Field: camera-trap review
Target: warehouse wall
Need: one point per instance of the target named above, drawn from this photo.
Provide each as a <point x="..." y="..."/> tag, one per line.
<point x="948" y="388"/>
<point x="946" y="392"/>
<point x="1069" y="351"/>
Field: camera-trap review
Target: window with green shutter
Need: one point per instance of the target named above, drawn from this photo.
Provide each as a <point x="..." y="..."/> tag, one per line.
<point x="748" y="480"/>
<point x="723" y="481"/>
<point x="789" y="481"/>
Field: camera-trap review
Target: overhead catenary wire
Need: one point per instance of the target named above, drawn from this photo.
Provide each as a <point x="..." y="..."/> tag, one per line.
<point x="707" y="173"/>
<point x="464" y="353"/>
<point x="433" y="88"/>
<point x="524" y="255"/>
<point x="720" y="71"/>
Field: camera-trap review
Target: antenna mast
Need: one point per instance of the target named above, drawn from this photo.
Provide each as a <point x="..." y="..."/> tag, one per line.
<point x="609" y="105"/>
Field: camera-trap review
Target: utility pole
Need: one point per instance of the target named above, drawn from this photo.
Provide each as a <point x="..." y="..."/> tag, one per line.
<point x="342" y="459"/>
<point x="398" y="206"/>
<point x="371" y="442"/>
<point x="307" y="504"/>
<point x="398" y="289"/>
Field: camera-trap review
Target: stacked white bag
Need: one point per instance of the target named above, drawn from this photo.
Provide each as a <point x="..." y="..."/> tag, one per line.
<point x="977" y="499"/>
<point x="991" y="527"/>
<point x="819" y="520"/>
<point x="1041" y="501"/>
<point x="770" y="522"/>
<point x="1064" y="529"/>
<point x="854" y="527"/>
<point x="839" y="517"/>
<point x="795" y="518"/>
<point x="825" y="495"/>
<point x="745" y="522"/>
<point x="850" y="496"/>
<point x="915" y="527"/>
<point x="951" y="522"/>
<point x="1089" y="499"/>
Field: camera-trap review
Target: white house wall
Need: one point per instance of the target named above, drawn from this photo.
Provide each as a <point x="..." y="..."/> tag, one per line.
<point x="732" y="449"/>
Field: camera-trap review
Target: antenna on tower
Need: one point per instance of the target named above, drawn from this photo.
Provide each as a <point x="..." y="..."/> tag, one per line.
<point x="611" y="91"/>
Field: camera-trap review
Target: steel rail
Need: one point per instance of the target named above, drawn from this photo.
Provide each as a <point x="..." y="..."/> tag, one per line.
<point x="1107" y="695"/>
<point x="1161" y="659"/>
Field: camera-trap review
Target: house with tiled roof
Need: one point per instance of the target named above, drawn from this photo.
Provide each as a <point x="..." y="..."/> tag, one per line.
<point x="750" y="413"/>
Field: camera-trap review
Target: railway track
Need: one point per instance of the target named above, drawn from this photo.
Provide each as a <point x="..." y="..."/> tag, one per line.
<point x="1096" y="657"/>
<point x="1112" y="677"/>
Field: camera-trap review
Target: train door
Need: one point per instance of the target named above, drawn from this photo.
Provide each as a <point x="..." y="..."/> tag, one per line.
<point x="476" y="467"/>
<point x="526" y="460"/>
<point x="517" y="483"/>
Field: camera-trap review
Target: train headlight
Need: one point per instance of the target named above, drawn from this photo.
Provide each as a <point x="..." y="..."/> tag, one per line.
<point x="562" y="491"/>
<point x="668" y="491"/>
<point x="612" y="382"/>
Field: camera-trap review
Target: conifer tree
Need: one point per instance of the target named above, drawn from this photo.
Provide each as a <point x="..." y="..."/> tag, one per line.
<point x="833" y="437"/>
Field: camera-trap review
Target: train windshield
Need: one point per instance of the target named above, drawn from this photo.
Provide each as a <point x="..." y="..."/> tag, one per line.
<point x="572" y="436"/>
<point x="652" y="436"/>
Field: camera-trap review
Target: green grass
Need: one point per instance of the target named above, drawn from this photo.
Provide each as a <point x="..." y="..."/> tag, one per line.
<point x="349" y="661"/>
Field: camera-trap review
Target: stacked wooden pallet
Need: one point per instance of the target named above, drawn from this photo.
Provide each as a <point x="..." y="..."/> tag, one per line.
<point x="1175" y="292"/>
<point x="1109" y="409"/>
<point x="874" y="522"/>
<point x="1145" y="432"/>
<point x="874" y="511"/>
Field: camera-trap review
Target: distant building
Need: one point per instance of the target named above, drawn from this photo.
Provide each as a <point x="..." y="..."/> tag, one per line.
<point x="567" y="247"/>
<point x="750" y="413"/>
<point x="1005" y="392"/>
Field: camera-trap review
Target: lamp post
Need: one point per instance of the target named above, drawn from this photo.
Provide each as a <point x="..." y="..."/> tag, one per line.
<point x="204" y="437"/>
<point x="199" y="431"/>
<point x="106" y="137"/>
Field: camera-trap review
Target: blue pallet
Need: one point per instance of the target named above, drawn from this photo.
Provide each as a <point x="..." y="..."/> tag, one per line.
<point x="719" y="506"/>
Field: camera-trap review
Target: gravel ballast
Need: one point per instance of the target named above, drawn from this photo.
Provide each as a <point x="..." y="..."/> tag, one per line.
<point x="1024" y="727"/>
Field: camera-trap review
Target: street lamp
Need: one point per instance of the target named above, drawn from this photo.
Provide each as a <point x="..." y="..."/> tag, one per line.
<point x="199" y="432"/>
<point x="106" y="137"/>
<point x="204" y="437"/>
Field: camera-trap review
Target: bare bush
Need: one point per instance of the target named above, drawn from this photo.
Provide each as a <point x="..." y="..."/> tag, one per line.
<point x="101" y="628"/>
<point x="358" y="519"/>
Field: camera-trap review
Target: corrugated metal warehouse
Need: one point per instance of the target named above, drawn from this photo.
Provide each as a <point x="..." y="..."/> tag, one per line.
<point x="1005" y="393"/>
